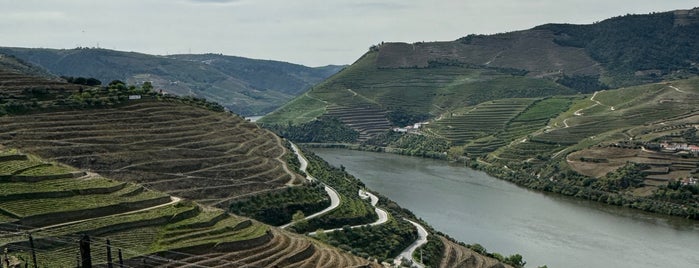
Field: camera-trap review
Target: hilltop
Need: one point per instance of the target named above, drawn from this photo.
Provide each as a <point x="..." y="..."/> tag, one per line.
<point x="560" y="108"/>
<point x="159" y="175"/>
<point x="245" y="86"/>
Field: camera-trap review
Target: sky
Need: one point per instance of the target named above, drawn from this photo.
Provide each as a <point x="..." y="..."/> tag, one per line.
<point x="309" y="32"/>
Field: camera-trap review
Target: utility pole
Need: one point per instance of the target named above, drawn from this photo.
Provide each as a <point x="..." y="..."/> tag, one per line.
<point x="121" y="260"/>
<point x="31" y="245"/>
<point x="85" y="255"/>
<point x="109" y="255"/>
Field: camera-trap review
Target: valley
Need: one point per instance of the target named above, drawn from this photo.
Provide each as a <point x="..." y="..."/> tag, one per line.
<point x="564" y="145"/>
<point x="568" y="117"/>
<point x="157" y="176"/>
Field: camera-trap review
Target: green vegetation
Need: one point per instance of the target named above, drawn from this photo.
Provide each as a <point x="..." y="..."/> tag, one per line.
<point x="116" y="93"/>
<point x="583" y="83"/>
<point x="408" y="144"/>
<point x="381" y="242"/>
<point x="631" y="175"/>
<point x="431" y="253"/>
<point x="276" y="208"/>
<point x="324" y="129"/>
<point x="352" y="210"/>
<point x="635" y="42"/>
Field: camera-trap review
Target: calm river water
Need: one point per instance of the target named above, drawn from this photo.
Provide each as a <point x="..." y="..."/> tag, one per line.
<point x="474" y="207"/>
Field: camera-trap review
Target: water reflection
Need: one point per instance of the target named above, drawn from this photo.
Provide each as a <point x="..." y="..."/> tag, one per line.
<point x="545" y="228"/>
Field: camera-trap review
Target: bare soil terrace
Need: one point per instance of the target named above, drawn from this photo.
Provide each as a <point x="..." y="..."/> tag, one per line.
<point x="181" y="150"/>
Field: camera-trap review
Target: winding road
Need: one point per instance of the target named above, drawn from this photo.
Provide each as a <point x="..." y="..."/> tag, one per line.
<point x="374" y="200"/>
<point x="334" y="196"/>
<point x="383" y="215"/>
<point x="408" y="252"/>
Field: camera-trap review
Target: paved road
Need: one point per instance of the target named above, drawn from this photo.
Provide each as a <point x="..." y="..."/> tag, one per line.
<point x="383" y="215"/>
<point x="408" y="252"/>
<point x="334" y="197"/>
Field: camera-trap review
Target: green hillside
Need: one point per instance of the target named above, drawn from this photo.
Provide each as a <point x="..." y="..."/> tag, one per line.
<point x="420" y="81"/>
<point x="606" y="112"/>
<point x="245" y="86"/>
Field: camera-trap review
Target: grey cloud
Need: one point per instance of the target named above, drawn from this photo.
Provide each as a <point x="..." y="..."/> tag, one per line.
<point x="214" y="1"/>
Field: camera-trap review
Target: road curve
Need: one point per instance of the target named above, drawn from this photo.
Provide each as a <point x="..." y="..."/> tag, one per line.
<point x="334" y="196"/>
<point x="383" y="215"/>
<point x="408" y="252"/>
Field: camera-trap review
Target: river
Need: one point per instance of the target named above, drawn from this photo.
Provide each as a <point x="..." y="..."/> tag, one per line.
<point x="558" y="231"/>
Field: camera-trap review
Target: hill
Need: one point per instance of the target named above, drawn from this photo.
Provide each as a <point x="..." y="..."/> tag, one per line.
<point x="414" y="82"/>
<point x="245" y="86"/>
<point x="57" y="205"/>
<point x="605" y="112"/>
<point x="176" y="167"/>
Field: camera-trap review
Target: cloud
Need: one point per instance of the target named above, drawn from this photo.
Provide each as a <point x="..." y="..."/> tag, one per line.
<point x="214" y="1"/>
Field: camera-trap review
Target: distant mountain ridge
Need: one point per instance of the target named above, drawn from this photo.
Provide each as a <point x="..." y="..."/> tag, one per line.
<point x="245" y="86"/>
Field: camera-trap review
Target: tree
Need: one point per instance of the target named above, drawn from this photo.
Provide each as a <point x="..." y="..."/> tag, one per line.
<point x="93" y="82"/>
<point x="516" y="261"/>
<point x="299" y="220"/>
<point x="321" y="235"/>
<point x="147" y="86"/>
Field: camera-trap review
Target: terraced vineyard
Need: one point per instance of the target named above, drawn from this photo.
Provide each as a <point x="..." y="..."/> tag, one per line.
<point x="625" y="108"/>
<point x="13" y="81"/>
<point x="456" y="255"/>
<point x="178" y="149"/>
<point x="148" y="227"/>
<point x="481" y="120"/>
<point x="368" y="121"/>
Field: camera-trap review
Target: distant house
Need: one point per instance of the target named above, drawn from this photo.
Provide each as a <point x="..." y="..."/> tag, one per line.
<point x="134" y="97"/>
<point x="675" y="147"/>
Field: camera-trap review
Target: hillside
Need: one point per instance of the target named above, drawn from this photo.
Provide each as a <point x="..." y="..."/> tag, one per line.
<point x="604" y="112"/>
<point x="425" y="80"/>
<point x="173" y="168"/>
<point x="245" y="86"/>
<point x="145" y="228"/>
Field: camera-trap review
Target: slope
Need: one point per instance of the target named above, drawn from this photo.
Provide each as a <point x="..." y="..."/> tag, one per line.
<point x="246" y="86"/>
<point x="410" y="83"/>
<point x="144" y="227"/>
<point x="185" y="147"/>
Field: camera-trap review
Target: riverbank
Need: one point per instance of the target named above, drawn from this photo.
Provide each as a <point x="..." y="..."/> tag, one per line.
<point x="524" y="179"/>
<point x="550" y="229"/>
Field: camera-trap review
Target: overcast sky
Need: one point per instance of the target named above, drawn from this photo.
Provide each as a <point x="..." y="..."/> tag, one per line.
<point x="310" y="32"/>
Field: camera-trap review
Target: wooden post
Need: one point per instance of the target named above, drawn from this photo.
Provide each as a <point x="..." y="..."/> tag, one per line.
<point x="86" y="257"/>
<point x="6" y="260"/>
<point x="109" y="255"/>
<point x="31" y="245"/>
<point x="121" y="260"/>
